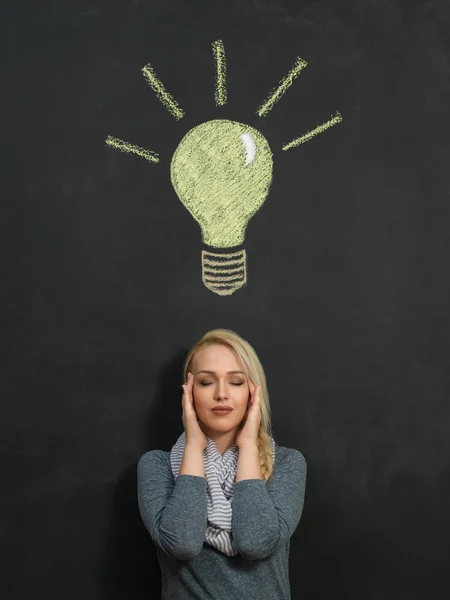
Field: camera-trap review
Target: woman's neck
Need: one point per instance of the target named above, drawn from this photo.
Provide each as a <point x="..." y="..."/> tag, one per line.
<point x="223" y="440"/>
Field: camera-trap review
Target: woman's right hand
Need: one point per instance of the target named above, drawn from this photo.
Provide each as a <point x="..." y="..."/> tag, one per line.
<point x="194" y="435"/>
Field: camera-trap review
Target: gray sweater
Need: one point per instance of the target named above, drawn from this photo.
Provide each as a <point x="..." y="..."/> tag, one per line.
<point x="264" y="518"/>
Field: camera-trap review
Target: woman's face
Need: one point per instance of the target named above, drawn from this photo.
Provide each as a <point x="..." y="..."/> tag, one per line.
<point x="219" y="381"/>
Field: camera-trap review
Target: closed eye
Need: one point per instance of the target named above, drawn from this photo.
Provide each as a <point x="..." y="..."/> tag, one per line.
<point x="206" y="383"/>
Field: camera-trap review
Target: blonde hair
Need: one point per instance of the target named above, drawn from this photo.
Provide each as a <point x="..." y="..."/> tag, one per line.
<point x="251" y="364"/>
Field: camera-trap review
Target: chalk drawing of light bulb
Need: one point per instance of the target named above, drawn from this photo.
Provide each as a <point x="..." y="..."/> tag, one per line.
<point x="222" y="171"/>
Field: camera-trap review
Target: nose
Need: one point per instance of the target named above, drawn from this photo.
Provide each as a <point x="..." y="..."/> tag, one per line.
<point x="221" y="391"/>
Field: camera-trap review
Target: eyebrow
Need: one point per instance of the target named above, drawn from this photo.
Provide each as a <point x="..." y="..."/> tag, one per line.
<point x="213" y="372"/>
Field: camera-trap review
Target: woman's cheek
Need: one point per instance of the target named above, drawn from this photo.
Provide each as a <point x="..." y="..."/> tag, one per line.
<point x="199" y="399"/>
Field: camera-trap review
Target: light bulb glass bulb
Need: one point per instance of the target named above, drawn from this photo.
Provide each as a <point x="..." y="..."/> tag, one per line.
<point x="221" y="172"/>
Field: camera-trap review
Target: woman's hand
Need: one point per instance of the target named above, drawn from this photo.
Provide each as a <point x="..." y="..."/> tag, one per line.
<point x="248" y="434"/>
<point x="194" y="435"/>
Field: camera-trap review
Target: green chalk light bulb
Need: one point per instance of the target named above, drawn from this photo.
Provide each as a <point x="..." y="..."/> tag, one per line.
<point x="221" y="172"/>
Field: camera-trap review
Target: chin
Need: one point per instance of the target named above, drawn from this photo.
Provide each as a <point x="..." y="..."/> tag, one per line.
<point x="221" y="427"/>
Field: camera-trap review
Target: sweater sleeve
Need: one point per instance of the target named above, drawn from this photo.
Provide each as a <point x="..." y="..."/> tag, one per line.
<point x="266" y="515"/>
<point x="174" y="512"/>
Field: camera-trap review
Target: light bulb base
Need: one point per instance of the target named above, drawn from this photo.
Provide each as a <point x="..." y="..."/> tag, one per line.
<point x="225" y="273"/>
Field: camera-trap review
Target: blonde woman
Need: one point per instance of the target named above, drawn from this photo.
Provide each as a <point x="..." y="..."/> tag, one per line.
<point x="222" y="505"/>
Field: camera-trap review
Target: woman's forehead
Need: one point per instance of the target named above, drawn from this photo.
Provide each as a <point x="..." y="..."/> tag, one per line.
<point x="216" y="357"/>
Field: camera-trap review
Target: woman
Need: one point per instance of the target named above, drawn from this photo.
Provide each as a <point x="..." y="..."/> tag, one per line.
<point x="222" y="505"/>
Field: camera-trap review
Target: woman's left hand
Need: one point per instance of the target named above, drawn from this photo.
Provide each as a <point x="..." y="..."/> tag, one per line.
<point x="248" y="433"/>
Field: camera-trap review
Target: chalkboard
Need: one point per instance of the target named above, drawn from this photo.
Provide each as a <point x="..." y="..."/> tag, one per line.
<point x="345" y="293"/>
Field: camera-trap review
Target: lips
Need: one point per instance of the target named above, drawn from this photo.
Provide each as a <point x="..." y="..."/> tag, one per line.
<point x="222" y="411"/>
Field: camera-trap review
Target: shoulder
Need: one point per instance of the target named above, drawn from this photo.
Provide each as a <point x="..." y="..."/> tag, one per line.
<point x="289" y="458"/>
<point x="154" y="460"/>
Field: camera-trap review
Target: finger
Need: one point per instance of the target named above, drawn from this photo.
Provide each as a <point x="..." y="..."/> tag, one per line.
<point x="256" y="391"/>
<point x="252" y="392"/>
<point x="251" y="386"/>
<point x="190" y="382"/>
<point x="255" y="396"/>
<point x="186" y="392"/>
<point x="187" y="402"/>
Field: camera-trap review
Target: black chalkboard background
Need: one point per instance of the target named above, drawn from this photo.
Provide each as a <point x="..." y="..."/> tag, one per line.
<point x="347" y="301"/>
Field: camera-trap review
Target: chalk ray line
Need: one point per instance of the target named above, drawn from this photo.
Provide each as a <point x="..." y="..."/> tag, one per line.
<point x="131" y="148"/>
<point x="220" y="92"/>
<point x="282" y="88"/>
<point x="164" y="96"/>
<point x="310" y="134"/>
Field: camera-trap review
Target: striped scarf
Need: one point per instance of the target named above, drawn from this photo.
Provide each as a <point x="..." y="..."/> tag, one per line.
<point x="220" y="478"/>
